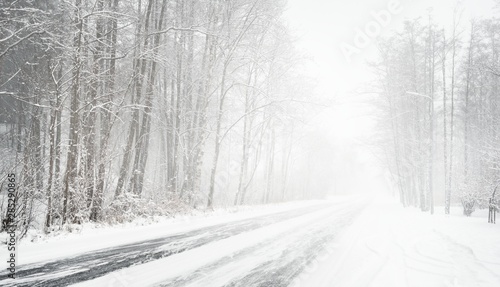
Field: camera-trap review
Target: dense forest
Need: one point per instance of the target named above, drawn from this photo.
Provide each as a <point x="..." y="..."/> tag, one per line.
<point x="440" y="120"/>
<point x="112" y="109"/>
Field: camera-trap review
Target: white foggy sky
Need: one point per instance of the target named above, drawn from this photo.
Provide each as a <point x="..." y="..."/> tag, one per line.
<point x="321" y="26"/>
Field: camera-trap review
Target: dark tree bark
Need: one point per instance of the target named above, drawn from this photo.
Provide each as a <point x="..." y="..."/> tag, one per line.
<point x="73" y="152"/>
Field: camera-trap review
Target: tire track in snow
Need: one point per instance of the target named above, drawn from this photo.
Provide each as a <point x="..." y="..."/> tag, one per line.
<point x="286" y="256"/>
<point x="92" y="265"/>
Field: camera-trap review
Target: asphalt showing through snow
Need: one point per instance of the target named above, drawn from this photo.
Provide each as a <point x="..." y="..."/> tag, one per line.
<point x="278" y="272"/>
<point x="295" y="252"/>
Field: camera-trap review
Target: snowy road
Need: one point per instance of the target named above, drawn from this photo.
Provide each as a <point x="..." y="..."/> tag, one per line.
<point x="266" y="250"/>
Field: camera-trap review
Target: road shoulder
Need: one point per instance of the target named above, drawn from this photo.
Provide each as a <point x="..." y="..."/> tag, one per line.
<point x="392" y="246"/>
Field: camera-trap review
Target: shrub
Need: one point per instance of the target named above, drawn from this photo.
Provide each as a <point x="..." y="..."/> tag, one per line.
<point x="128" y="206"/>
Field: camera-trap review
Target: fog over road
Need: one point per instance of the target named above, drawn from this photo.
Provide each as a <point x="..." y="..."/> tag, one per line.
<point x="266" y="250"/>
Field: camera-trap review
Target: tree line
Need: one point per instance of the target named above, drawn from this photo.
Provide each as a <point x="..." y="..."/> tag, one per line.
<point x="111" y="104"/>
<point x="440" y="111"/>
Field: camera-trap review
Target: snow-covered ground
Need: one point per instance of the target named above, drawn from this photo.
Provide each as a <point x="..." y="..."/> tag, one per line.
<point x="89" y="237"/>
<point x="393" y="246"/>
<point x="52" y="259"/>
<point x="339" y="242"/>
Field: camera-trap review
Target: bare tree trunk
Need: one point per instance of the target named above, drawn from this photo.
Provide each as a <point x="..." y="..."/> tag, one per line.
<point x="72" y="157"/>
<point x="90" y="176"/>
<point x="246" y="138"/>
<point x="431" y="120"/>
<point x="202" y="106"/>
<point x="190" y="141"/>
<point x="52" y="124"/>
<point x="220" y="112"/>
<point x="466" y="104"/>
<point x="53" y="147"/>
<point x="445" y="140"/>
<point x="452" y="111"/>
<point x="270" y="167"/>
<point x="171" y="152"/>
<point x="287" y="153"/>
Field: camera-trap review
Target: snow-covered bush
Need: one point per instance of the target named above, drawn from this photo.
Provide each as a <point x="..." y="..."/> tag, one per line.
<point x="129" y="206"/>
<point x="475" y="193"/>
<point x="469" y="203"/>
